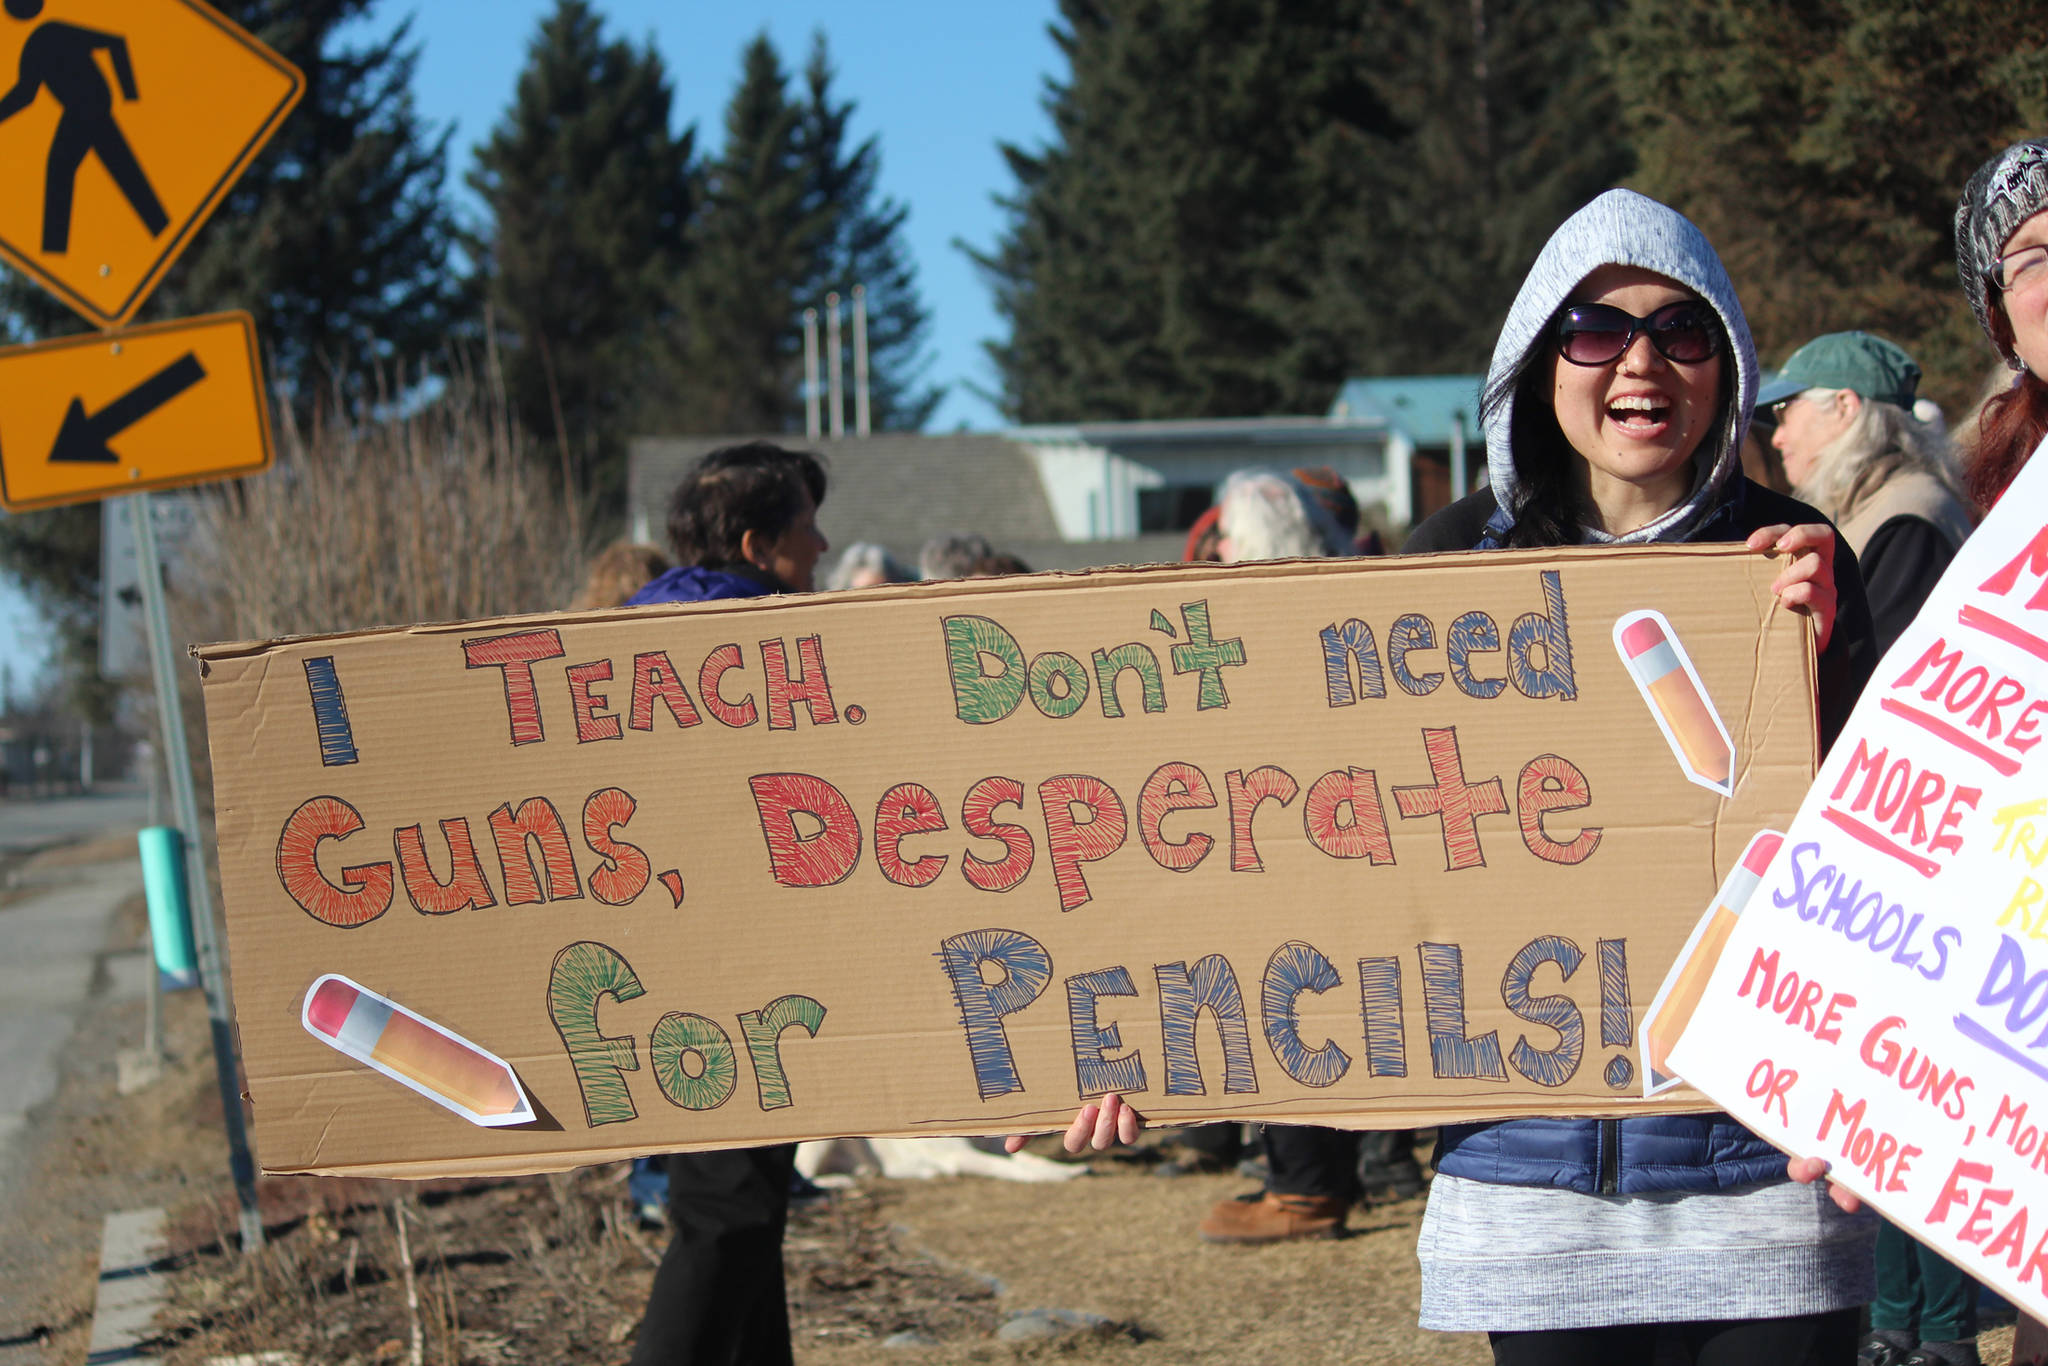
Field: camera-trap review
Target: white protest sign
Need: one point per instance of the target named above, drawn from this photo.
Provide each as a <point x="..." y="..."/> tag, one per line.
<point x="1882" y="1000"/>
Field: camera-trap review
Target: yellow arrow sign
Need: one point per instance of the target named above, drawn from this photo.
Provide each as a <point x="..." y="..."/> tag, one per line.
<point x="125" y="124"/>
<point x="152" y="407"/>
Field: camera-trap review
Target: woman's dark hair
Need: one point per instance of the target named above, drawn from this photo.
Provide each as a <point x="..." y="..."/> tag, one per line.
<point x="1549" y="509"/>
<point x="757" y="486"/>
<point x="2009" y="426"/>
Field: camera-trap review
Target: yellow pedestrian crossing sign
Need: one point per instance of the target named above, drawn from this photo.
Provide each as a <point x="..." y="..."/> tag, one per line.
<point x="122" y="125"/>
<point x="149" y="407"/>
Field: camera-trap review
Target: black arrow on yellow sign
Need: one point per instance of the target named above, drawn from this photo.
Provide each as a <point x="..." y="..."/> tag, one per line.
<point x="83" y="440"/>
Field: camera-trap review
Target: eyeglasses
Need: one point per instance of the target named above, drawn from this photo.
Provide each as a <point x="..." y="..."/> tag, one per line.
<point x="2020" y="270"/>
<point x="1782" y="406"/>
<point x="1597" y="334"/>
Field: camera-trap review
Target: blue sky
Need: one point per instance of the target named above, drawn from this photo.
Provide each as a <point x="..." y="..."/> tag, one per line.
<point x="939" y="85"/>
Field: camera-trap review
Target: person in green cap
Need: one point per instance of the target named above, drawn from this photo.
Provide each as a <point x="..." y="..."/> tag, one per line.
<point x="1854" y="449"/>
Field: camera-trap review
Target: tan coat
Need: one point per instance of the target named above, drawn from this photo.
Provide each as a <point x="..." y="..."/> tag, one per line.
<point x="1913" y="494"/>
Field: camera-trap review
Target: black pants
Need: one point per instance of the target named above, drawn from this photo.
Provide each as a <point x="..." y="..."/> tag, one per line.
<point x="718" y="1297"/>
<point x="1220" y="1143"/>
<point x="1306" y="1159"/>
<point x="1809" y="1340"/>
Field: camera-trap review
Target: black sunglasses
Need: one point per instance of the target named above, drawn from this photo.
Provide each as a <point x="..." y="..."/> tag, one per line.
<point x="1597" y="334"/>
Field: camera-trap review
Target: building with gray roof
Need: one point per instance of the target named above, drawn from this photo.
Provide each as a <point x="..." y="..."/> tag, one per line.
<point x="1058" y="497"/>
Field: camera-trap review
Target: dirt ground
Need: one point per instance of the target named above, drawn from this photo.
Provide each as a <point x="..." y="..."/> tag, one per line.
<point x="555" y="1269"/>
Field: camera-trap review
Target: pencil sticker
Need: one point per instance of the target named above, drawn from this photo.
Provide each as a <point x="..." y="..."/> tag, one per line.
<point x="415" y="1052"/>
<point x="1681" y="992"/>
<point x="1672" y="689"/>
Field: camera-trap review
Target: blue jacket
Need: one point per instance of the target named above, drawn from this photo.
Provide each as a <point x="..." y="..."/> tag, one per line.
<point x="1661" y="1152"/>
<point x="1611" y="1156"/>
<point x="693" y="583"/>
<point x="1656" y="1152"/>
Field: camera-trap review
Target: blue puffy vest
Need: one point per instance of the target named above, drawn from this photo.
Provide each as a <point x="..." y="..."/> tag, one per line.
<point x="1611" y="1156"/>
<point x="1619" y="1156"/>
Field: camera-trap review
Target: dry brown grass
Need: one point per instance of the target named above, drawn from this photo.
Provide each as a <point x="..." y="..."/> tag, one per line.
<point x="553" y="1270"/>
<point x="436" y="513"/>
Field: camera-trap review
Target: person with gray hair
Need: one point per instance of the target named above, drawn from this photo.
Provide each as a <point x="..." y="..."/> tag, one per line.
<point x="865" y="564"/>
<point x="1854" y="449"/>
<point x="1313" y="1174"/>
<point x="952" y="556"/>
<point x="1264" y="515"/>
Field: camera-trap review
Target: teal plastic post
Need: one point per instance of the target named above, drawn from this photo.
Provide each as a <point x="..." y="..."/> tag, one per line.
<point x="170" y="916"/>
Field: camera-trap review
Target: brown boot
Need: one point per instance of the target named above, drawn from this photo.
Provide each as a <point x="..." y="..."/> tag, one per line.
<point x="1270" y="1218"/>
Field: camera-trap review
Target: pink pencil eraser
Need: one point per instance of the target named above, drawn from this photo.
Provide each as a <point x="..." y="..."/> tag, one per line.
<point x="1641" y="634"/>
<point x="1762" y="850"/>
<point x="328" y="1010"/>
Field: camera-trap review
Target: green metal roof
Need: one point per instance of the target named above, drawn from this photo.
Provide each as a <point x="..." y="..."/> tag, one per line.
<point x="1421" y="407"/>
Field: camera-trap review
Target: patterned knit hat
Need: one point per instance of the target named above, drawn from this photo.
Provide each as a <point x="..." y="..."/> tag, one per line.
<point x="2006" y="191"/>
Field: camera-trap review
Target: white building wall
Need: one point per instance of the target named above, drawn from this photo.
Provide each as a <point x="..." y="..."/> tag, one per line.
<point x="1093" y="490"/>
<point x="1400" y="459"/>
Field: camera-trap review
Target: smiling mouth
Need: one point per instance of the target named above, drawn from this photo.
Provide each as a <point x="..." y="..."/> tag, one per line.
<point x="1639" y="412"/>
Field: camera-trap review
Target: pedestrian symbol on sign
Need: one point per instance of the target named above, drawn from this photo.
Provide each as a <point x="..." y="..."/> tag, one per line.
<point x="58" y="57"/>
<point x="123" y="124"/>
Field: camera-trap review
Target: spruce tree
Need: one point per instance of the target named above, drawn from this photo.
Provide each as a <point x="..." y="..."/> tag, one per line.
<point x="1162" y="247"/>
<point x="1244" y="203"/>
<point x="757" y="248"/>
<point x="338" y="237"/>
<point x="589" y="196"/>
<point x="1504" y="123"/>
<point x="1822" y="149"/>
<point x="864" y="246"/>
<point x="792" y="213"/>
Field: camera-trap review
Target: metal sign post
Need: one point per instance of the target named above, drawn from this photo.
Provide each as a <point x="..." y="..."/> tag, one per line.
<point x="137" y="407"/>
<point x="185" y="813"/>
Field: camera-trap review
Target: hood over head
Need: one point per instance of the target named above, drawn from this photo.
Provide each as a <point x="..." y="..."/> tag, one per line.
<point x="1621" y="228"/>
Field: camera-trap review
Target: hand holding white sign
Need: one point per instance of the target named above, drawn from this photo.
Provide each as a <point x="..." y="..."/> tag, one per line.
<point x="1882" y="1006"/>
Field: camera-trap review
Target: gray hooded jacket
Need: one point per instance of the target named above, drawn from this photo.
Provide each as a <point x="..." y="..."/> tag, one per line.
<point x="1620" y="228"/>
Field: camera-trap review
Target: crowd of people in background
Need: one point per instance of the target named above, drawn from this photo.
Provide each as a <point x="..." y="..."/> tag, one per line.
<point x="1624" y="406"/>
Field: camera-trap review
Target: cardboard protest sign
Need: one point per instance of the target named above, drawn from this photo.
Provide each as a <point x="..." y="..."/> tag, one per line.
<point x="1882" y="998"/>
<point x="1369" y="842"/>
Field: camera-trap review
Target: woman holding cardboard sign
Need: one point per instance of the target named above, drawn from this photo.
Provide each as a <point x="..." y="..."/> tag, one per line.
<point x="744" y="524"/>
<point x="1614" y="411"/>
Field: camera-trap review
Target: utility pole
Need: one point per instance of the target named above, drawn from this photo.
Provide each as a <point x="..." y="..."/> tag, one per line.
<point x="860" y="360"/>
<point x="836" y="398"/>
<point x="811" y="426"/>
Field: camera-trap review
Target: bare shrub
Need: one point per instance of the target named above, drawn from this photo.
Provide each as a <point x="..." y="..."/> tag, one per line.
<point x="434" y="514"/>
